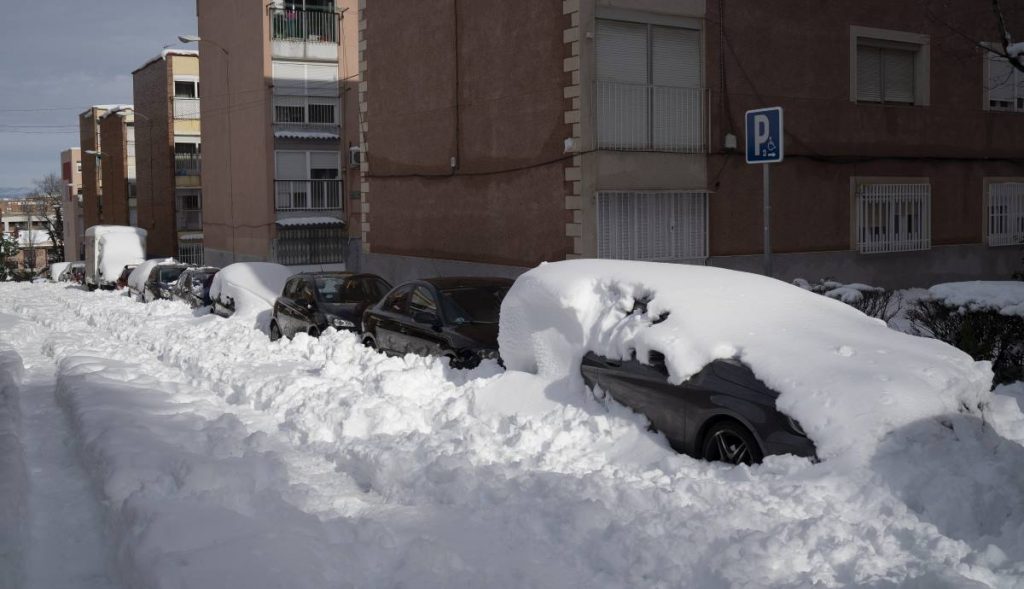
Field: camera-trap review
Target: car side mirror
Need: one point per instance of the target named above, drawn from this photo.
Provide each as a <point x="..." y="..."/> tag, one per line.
<point x="656" y="360"/>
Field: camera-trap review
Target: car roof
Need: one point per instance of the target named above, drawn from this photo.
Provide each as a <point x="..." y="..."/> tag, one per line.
<point x="448" y="282"/>
<point x="315" y="274"/>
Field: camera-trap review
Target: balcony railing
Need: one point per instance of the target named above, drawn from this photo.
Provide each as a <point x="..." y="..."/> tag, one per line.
<point x="643" y="117"/>
<point x="187" y="164"/>
<point x="309" y="26"/>
<point x="186" y="108"/>
<point x="307" y="195"/>
<point x="189" y="220"/>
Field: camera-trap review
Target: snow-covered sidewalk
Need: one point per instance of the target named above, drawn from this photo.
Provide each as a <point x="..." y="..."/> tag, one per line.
<point x="226" y="460"/>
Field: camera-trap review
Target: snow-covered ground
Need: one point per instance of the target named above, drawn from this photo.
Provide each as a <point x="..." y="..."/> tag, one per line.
<point x="217" y="458"/>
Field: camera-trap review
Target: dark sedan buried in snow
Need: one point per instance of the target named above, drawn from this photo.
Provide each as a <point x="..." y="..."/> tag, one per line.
<point x="312" y="302"/>
<point x="453" y="317"/>
<point x="721" y="413"/>
<point x="193" y="286"/>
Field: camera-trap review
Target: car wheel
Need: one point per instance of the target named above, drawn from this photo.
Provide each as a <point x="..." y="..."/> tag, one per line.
<point x="369" y="342"/>
<point x="314" y="332"/>
<point x="730" y="442"/>
<point x="275" y="331"/>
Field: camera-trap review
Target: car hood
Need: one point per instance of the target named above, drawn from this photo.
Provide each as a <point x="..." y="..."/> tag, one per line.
<point x="483" y="335"/>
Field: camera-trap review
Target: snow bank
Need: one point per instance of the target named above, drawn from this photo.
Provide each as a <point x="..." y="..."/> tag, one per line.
<point x="250" y="288"/>
<point x="137" y="279"/>
<point x="1007" y="297"/>
<point x="847" y="378"/>
<point x="13" y="474"/>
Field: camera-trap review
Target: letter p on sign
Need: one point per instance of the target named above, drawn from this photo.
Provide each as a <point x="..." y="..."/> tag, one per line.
<point x="764" y="135"/>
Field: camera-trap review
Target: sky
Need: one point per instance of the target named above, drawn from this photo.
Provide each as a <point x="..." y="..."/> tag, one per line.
<point x="58" y="57"/>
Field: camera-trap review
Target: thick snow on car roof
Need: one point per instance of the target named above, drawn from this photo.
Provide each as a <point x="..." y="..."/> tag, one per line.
<point x="251" y="286"/>
<point x="846" y="377"/>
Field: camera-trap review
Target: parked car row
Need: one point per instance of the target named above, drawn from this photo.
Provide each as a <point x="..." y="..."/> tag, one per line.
<point x="168" y="279"/>
<point x="452" y="317"/>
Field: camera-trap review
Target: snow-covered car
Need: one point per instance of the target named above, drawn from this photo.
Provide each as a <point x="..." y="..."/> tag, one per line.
<point x="107" y="249"/>
<point x="845" y="378"/>
<point x="313" y="301"/>
<point x="58" y="271"/>
<point x="248" y="288"/>
<point x="153" y="279"/>
<point x="193" y="286"/>
<point x="122" y="280"/>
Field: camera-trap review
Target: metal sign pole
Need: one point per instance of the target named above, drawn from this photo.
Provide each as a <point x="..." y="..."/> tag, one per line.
<point x="767" y="220"/>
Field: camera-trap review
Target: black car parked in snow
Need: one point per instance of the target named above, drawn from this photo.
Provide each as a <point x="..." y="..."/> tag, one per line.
<point x="193" y="286"/>
<point x="160" y="282"/>
<point x="721" y="413"/>
<point x="312" y="302"/>
<point x="453" y="317"/>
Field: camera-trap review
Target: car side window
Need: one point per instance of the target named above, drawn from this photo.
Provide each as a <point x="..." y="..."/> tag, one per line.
<point x="375" y="288"/>
<point x="396" y="302"/>
<point x="422" y="301"/>
<point x="351" y="291"/>
<point x="291" y="289"/>
<point x="306" y="294"/>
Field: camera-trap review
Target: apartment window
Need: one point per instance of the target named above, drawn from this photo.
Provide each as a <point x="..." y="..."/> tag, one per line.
<point x="1004" y="88"/>
<point x="305" y="79"/>
<point x="648" y="94"/>
<point x="186" y="88"/>
<point x="654" y="226"/>
<point x="307" y="180"/>
<point x="888" y="67"/>
<point x="305" y="110"/>
<point x="893" y="217"/>
<point x="191" y="251"/>
<point x="78" y="165"/>
<point x="187" y="159"/>
<point x="313" y="244"/>
<point x="188" y="207"/>
<point x="1005" y="213"/>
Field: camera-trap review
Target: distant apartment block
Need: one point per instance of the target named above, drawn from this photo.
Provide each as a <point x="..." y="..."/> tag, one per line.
<point x="25" y="221"/>
<point x="92" y="170"/>
<point x="169" y="154"/>
<point x="499" y="135"/>
<point x="119" y="198"/>
<point x="280" y="131"/>
<point x="72" y="211"/>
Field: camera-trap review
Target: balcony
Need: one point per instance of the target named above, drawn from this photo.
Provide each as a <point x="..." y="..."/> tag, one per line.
<point x="187" y="164"/>
<point x="304" y="34"/>
<point x="644" y="117"/>
<point x="186" y="109"/>
<point x="307" y="195"/>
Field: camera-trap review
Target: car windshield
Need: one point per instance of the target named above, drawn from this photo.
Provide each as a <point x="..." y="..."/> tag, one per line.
<point x="169" y="275"/>
<point x="329" y="288"/>
<point x="473" y="304"/>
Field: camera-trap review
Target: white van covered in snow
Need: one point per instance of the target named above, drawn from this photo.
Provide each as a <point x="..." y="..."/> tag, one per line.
<point x="108" y="249"/>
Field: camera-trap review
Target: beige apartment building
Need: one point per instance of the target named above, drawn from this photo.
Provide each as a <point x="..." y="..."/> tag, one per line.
<point x="71" y="203"/>
<point x="499" y="135"/>
<point x="168" y="155"/>
<point x="280" y="137"/>
<point x="118" y="202"/>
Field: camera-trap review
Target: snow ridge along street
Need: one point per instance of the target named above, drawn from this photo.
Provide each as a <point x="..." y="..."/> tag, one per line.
<point x="226" y="460"/>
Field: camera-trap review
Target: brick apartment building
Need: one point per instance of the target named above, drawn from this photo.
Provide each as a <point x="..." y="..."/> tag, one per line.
<point x="71" y="203"/>
<point x="279" y="114"/>
<point x="168" y="154"/>
<point x="119" y="199"/>
<point x="92" y="170"/>
<point x="497" y="135"/>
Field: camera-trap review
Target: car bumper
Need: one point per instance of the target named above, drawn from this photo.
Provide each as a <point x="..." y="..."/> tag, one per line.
<point x="784" y="443"/>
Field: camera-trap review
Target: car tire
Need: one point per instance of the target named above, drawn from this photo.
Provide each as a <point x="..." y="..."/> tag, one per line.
<point x="275" y="331"/>
<point x="369" y="342"/>
<point x="313" y="332"/>
<point x="730" y="442"/>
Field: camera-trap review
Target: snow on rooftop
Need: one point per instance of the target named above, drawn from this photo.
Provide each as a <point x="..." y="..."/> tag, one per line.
<point x="286" y="134"/>
<point x="1007" y="297"/>
<point x="167" y="53"/>
<point x="847" y="378"/>
<point x="299" y="221"/>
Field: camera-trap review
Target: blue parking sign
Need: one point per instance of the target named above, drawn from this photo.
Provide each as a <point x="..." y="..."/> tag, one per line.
<point x="764" y="135"/>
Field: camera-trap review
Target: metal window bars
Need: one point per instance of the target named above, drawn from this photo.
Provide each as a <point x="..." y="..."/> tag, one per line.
<point x="309" y="26"/>
<point x="323" y="244"/>
<point x="646" y="117"/>
<point x="307" y="195"/>
<point x="654" y="226"/>
<point x="1005" y="213"/>
<point x="893" y="218"/>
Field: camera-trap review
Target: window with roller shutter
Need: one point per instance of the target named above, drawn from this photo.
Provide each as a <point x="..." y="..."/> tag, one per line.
<point x="889" y="67"/>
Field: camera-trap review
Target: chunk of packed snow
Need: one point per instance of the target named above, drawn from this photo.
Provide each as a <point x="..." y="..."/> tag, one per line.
<point x="1007" y="296"/>
<point x="249" y="288"/>
<point x="137" y="279"/>
<point x="847" y="378"/>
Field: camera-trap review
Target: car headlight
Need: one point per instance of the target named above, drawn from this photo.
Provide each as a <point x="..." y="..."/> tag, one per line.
<point x="339" y="323"/>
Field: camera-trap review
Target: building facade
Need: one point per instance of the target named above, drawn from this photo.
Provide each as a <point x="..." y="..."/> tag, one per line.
<point x="169" y="155"/>
<point x="118" y="200"/>
<point x="613" y="129"/>
<point x="72" y="211"/>
<point x="92" y="170"/>
<point x="279" y="131"/>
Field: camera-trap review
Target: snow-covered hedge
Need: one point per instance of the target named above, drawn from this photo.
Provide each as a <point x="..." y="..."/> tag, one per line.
<point x="847" y="378"/>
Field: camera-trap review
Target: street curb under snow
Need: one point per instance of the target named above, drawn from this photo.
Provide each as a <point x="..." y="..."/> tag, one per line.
<point x="13" y="474"/>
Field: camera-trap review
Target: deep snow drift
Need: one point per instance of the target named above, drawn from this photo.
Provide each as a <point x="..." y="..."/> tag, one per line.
<point x="320" y="463"/>
<point x="848" y="379"/>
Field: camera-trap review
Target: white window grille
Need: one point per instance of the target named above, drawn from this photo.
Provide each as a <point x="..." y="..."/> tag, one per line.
<point x="648" y="93"/>
<point x="653" y="226"/>
<point x="893" y="218"/>
<point x="885" y="72"/>
<point x="304" y="110"/>
<point x="191" y="252"/>
<point x="1005" y="213"/>
<point x="1005" y="84"/>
